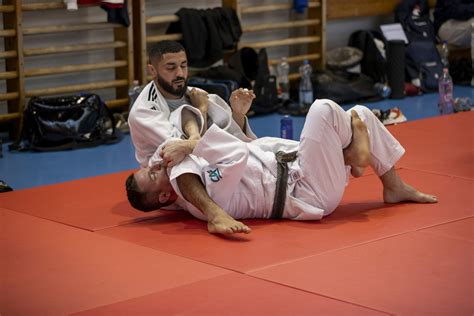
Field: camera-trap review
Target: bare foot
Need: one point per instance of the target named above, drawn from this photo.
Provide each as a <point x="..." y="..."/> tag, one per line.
<point x="224" y="224"/>
<point x="406" y="192"/>
<point x="357" y="171"/>
<point x="357" y="154"/>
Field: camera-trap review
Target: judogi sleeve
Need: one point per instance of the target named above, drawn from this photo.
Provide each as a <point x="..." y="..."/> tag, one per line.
<point x="233" y="128"/>
<point x="150" y="127"/>
<point x="176" y="118"/>
<point x="227" y="159"/>
<point x="219" y="159"/>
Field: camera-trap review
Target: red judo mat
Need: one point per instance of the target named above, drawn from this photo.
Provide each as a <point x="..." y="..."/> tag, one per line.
<point x="84" y="250"/>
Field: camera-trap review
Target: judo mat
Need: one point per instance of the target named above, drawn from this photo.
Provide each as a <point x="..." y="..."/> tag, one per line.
<point x="79" y="248"/>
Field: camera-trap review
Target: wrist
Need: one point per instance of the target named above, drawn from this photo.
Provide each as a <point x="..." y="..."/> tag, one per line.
<point x="238" y="115"/>
<point x="194" y="138"/>
<point x="191" y="144"/>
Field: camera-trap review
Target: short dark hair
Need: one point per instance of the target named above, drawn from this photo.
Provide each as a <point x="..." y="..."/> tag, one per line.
<point x="158" y="49"/>
<point x="137" y="198"/>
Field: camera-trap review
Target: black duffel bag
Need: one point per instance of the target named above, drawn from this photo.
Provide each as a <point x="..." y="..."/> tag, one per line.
<point x="57" y="123"/>
<point x="343" y="87"/>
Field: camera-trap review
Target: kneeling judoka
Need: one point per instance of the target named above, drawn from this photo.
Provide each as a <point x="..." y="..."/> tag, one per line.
<point x="276" y="178"/>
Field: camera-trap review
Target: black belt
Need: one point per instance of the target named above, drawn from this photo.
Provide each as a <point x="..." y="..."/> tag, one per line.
<point x="281" y="182"/>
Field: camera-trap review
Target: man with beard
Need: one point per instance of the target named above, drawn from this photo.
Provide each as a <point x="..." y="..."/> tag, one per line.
<point x="149" y="117"/>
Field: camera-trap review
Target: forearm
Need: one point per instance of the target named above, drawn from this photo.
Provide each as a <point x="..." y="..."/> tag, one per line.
<point x="190" y="125"/>
<point x="195" y="193"/>
<point x="240" y="120"/>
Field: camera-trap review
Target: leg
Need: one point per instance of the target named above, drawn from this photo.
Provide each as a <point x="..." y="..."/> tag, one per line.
<point x="326" y="132"/>
<point x="395" y="190"/>
<point x="457" y="32"/>
<point x="385" y="152"/>
<point x="357" y="154"/>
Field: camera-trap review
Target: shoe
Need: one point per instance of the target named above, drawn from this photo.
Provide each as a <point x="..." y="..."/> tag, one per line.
<point x="4" y="187"/>
<point x="121" y="122"/>
<point x="392" y="116"/>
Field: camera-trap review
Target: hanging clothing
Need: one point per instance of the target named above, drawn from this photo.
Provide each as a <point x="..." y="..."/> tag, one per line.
<point x="116" y="9"/>
<point x="206" y="33"/>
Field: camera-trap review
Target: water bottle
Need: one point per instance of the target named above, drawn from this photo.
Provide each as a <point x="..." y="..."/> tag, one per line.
<point x="446" y="101"/>
<point x="306" y="86"/>
<point x="283" y="69"/>
<point x="286" y="127"/>
<point x="133" y="93"/>
<point x="383" y="90"/>
<point x="445" y="55"/>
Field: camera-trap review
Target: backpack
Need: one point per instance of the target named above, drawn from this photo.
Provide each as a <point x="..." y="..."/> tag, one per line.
<point x="68" y="122"/>
<point x="373" y="63"/>
<point x="342" y="86"/>
<point x="221" y="87"/>
<point x="421" y="56"/>
<point x="265" y="87"/>
<point x="245" y="63"/>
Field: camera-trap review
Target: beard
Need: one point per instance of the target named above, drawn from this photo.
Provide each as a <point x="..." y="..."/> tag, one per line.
<point x="178" y="92"/>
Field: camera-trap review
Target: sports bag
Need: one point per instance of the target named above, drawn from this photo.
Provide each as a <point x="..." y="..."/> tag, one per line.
<point x="68" y="122"/>
<point x="423" y="62"/>
<point x="343" y="87"/>
<point x="373" y="63"/>
<point x="265" y="87"/>
<point x="221" y="87"/>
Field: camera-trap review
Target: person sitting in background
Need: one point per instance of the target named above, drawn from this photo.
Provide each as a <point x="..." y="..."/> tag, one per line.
<point x="454" y="21"/>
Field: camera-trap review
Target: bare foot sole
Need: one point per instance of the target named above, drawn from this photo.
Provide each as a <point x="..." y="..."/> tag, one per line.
<point x="227" y="225"/>
<point x="357" y="154"/>
<point x="407" y="193"/>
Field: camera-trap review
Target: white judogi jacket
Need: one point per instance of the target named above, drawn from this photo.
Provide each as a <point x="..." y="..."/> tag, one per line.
<point x="241" y="177"/>
<point x="150" y="125"/>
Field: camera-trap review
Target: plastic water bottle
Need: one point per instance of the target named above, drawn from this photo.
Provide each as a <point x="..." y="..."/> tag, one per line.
<point x="283" y="69"/>
<point x="383" y="90"/>
<point x="133" y="93"/>
<point x="306" y="86"/>
<point x="286" y="127"/>
<point x="446" y="101"/>
<point x="445" y="55"/>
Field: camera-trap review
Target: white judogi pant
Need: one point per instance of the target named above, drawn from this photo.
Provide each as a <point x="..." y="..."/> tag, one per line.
<point x="327" y="131"/>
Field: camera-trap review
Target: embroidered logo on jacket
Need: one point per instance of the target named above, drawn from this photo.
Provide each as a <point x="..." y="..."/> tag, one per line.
<point x="214" y="175"/>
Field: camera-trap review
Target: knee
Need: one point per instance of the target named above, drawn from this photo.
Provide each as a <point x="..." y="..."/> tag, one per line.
<point x="323" y="108"/>
<point x="364" y="112"/>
